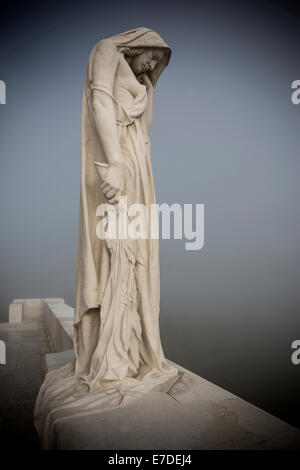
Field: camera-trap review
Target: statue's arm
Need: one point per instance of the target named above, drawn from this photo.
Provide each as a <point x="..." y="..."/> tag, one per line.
<point x="149" y="110"/>
<point x="104" y="69"/>
<point x="145" y="80"/>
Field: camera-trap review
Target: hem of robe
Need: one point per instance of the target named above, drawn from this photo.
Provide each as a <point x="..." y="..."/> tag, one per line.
<point x="61" y="396"/>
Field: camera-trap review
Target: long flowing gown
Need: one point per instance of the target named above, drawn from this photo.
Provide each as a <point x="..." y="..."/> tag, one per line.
<point x="118" y="352"/>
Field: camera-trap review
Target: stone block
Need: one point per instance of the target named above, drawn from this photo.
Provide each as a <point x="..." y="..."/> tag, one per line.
<point x="15" y="313"/>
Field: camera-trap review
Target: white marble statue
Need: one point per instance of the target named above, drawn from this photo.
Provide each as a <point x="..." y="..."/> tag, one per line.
<point x="118" y="352"/>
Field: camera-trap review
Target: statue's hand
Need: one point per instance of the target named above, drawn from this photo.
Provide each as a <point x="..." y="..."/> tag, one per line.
<point x="144" y="79"/>
<point x="113" y="184"/>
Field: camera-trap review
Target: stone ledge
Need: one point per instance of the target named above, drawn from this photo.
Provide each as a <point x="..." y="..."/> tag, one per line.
<point x="54" y="360"/>
<point x="15" y="314"/>
<point x="192" y="414"/>
<point x="24" y="309"/>
<point x="59" y="319"/>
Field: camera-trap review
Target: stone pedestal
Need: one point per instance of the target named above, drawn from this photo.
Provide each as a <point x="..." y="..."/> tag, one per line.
<point x="192" y="414"/>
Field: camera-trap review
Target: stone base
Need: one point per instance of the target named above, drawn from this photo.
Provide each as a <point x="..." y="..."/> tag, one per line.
<point x="193" y="414"/>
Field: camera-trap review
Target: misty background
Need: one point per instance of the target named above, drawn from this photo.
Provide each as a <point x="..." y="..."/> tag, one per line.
<point x="225" y="134"/>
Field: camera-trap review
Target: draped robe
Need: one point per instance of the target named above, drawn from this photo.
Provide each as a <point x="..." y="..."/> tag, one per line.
<point x="116" y="326"/>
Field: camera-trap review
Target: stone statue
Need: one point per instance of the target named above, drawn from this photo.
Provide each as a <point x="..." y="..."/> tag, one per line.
<point x="118" y="352"/>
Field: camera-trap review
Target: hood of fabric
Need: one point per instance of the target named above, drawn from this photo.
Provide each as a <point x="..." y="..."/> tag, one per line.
<point x="144" y="37"/>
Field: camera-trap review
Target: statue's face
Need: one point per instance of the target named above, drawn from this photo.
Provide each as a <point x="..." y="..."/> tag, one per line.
<point x="145" y="61"/>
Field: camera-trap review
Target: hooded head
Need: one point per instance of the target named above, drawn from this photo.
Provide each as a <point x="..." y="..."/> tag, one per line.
<point x="144" y="38"/>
